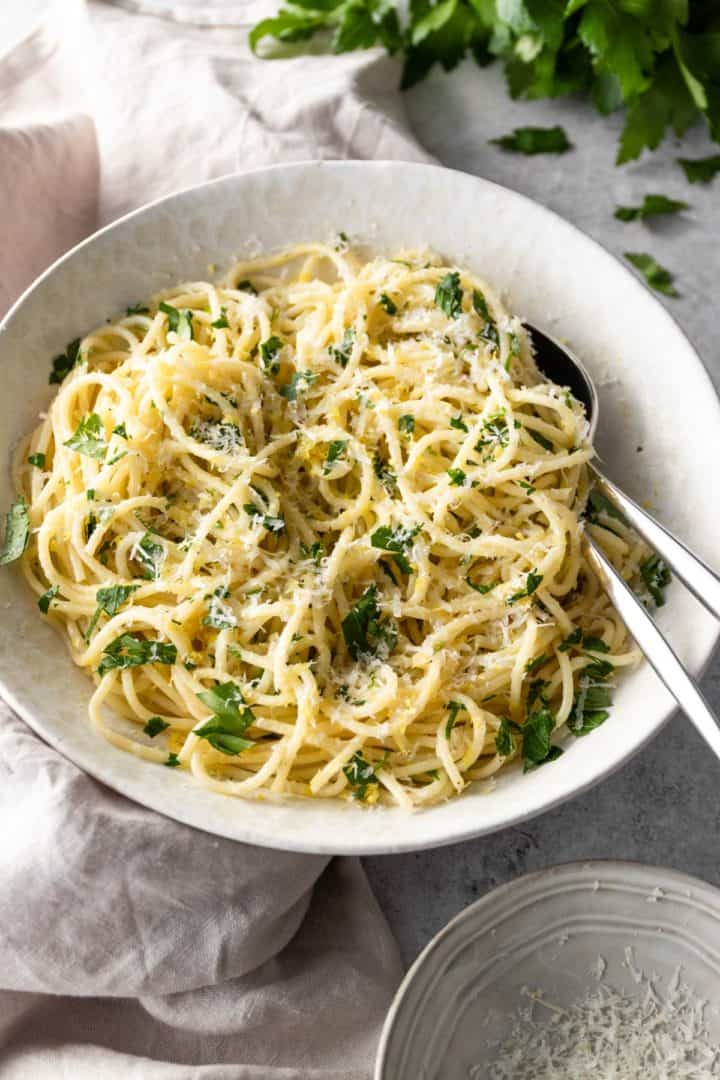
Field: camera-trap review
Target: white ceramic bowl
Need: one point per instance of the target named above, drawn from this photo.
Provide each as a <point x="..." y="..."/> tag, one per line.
<point x="562" y="932"/>
<point x="654" y="393"/>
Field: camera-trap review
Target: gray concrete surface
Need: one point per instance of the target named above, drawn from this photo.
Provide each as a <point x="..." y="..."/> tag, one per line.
<point x="663" y="806"/>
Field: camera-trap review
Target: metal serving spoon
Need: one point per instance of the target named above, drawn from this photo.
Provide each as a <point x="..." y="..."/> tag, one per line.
<point x="563" y="367"/>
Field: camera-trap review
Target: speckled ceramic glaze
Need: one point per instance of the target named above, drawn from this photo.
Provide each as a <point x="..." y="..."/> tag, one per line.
<point x="561" y="932"/>
<point x="654" y="394"/>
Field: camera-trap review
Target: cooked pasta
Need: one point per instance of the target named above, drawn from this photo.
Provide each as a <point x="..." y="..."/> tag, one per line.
<point x="314" y="530"/>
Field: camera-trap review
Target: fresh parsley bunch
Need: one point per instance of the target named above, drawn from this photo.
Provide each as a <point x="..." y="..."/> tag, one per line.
<point x="660" y="59"/>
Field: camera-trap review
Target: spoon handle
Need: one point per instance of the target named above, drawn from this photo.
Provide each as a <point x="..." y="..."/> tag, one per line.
<point x="699" y="578"/>
<point x="657" y="650"/>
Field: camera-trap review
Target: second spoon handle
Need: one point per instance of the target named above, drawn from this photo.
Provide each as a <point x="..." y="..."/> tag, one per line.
<point x="703" y="582"/>
<point x="658" y="651"/>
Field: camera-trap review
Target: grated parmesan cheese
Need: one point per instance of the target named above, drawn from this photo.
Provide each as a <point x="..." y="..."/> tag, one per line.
<point x="660" y="1033"/>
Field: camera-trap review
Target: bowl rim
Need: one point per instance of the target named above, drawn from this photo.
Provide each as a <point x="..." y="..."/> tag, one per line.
<point x="468" y="828"/>
<point x="661" y="876"/>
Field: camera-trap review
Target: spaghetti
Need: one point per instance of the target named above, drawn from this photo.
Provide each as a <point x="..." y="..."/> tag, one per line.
<point x="314" y="531"/>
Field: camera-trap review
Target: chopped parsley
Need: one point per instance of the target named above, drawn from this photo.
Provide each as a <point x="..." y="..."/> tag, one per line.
<point x="535" y="140"/>
<point x="389" y="305"/>
<point x="534" y="665"/>
<point x="600" y="504"/>
<point x="536" y="734"/>
<point x="482" y="589"/>
<point x="269" y="351"/>
<point x="226" y="728"/>
<point x="453" y="708"/>
<point x="63" y="364"/>
<point x="385" y="474"/>
<point x="179" y="321"/>
<point x="218" y="434"/>
<point x="598" y="669"/>
<point x="656" y="576"/>
<point x="120" y="430"/>
<point x="504" y="739"/>
<point x="494" y="432"/>
<point x="150" y="556"/>
<point x="247" y="286"/>
<point x="335" y="451"/>
<point x="366" y="633"/>
<point x="221" y="322"/>
<point x="38" y="460"/>
<point x="219" y="615"/>
<point x="457" y="477"/>
<point x="449" y="295"/>
<point x="299" y="382"/>
<point x="651" y="206"/>
<point x="532" y="582"/>
<point x="489" y="332"/>
<point x="525" y="486"/>
<point x="406" y="424"/>
<point x="314" y="552"/>
<point x="128" y="650"/>
<point x="657" y="277"/>
<point x="458" y="423"/>
<point x="397" y="541"/>
<point x="341" y="353"/>
<point x="17" y="532"/>
<point x="540" y="439"/>
<point x="86" y="438"/>
<point x="137" y="309"/>
<point x="361" y="774"/>
<point x="109" y="600"/>
<point x="47" y="598"/>
<point x="590" y="706"/>
<point x="154" y="726"/>
<point x="172" y="761"/>
<point x="573" y="638"/>
<point x="272" y="524"/>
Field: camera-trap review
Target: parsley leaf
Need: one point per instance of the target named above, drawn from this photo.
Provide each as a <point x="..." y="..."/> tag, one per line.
<point x="150" y="556"/>
<point x="525" y="486"/>
<point x="228" y="724"/>
<point x="335" y="451"/>
<point x="109" y="600"/>
<point x="17" y="532"/>
<point x="218" y="434"/>
<point x="590" y="706"/>
<point x="651" y="206"/>
<point x="657" y="277"/>
<point x="179" y="321"/>
<point x="504" y="739"/>
<point x="457" y="477"/>
<point x="536" y="734"/>
<point x="361" y="774"/>
<point x="221" y="322"/>
<point x="299" y="382"/>
<point x="154" y="726"/>
<point x="172" y="761"/>
<point x="47" y="598"/>
<point x="534" y="665"/>
<point x="573" y="638"/>
<point x="458" y="423"/>
<point x="448" y="295"/>
<point x="38" y="460"/>
<point x="314" y="552"/>
<point x="482" y="589"/>
<point x="535" y="140"/>
<point x="532" y="582"/>
<point x="700" y="170"/>
<point x="272" y="524"/>
<point x="366" y="633"/>
<point x="406" y="424"/>
<point x="396" y="541"/>
<point x="453" y="708"/>
<point x="268" y="355"/>
<point x="86" y="438"/>
<point x="130" y="650"/>
<point x="65" y="362"/>
<point x="656" y="576"/>
<point x="494" y="432"/>
<point x="138" y="309"/>
<point x="341" y="353"/>
<point x="219" y="615"/>
<point x="385" y="474"/>
<point x="600" y="504"/>
<point x="540" y="439"/>
<point x="389" y="305"/>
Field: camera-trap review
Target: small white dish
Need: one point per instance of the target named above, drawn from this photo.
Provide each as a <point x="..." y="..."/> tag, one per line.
<point x="563" y="932"/>
<point x="655" y="394"/>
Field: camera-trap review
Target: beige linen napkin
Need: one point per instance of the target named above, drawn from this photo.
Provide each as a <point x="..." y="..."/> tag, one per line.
<point x="130" y="945"/>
